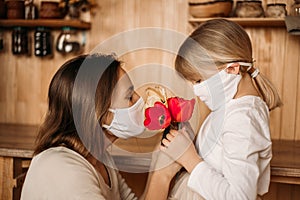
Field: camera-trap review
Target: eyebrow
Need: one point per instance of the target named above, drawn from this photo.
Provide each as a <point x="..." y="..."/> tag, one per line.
<point x="130" y="89"/>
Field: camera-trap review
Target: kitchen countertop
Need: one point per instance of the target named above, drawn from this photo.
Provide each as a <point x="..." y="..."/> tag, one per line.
<point x="18" y="141"/>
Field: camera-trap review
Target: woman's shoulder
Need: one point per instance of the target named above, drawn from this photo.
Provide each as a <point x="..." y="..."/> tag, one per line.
<point x="60" y="156"/>
<point x="57" y="168"/>
<point x="63" y="161"/>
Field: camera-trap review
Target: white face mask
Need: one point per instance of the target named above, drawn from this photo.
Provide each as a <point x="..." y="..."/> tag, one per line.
<point x="127" y="122"/>
<point x="218" y="89"/>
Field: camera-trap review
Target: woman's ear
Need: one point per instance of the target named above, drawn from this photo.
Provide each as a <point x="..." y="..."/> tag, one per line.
<point x="233" y="68"/>
<point x="108" y="117"/>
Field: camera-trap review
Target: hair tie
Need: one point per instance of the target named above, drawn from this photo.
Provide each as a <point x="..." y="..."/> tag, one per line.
<point x="253" y="72"/>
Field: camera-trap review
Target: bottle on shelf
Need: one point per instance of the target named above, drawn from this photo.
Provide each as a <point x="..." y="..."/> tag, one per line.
<point x="30" y="10"/>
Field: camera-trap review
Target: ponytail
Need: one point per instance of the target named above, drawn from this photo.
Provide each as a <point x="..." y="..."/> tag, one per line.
<point x="266" y="89"/>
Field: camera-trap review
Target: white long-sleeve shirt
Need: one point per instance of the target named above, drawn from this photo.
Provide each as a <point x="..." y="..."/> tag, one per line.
<point x="60" y="173"/>
<point x="236" y="147"/>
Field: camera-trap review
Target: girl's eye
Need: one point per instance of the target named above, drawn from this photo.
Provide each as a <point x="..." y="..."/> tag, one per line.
<point x="199" y="81"/>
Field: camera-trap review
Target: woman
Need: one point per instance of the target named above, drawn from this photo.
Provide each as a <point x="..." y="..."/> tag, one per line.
<point x="70" y="161"/>
<point x="233" y="148"/>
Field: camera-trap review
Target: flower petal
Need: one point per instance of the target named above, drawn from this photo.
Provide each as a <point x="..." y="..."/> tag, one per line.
<point x="181" y="110"/>
<point x="157" y="117"/>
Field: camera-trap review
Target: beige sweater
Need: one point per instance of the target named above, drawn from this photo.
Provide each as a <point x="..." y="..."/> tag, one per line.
<point x="60" y="173"/>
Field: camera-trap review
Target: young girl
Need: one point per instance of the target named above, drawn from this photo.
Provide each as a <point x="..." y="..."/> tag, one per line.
<point x="83" y="118"/>
<point x="232" y="152"/>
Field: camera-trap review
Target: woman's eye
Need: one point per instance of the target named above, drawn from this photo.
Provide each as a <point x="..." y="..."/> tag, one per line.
<point x="199" y="81"/>
<point x="129" y="98"/>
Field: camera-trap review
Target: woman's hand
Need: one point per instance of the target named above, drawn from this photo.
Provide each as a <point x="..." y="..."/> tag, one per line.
<point x="180" y="147"/>
<point x="164" y="165"/>
<point x="162" y="171"/>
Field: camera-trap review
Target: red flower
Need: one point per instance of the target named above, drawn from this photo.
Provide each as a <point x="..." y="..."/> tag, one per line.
<point x="180" y="109"/>
<point x="157" y="117"/>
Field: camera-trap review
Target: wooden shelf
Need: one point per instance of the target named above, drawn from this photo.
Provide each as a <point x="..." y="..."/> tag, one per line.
<point x="51" y="23"/>
<point x="247" y="22"/>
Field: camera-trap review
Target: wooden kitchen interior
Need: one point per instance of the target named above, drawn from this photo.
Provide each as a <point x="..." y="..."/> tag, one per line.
<point x="25" y="79"/>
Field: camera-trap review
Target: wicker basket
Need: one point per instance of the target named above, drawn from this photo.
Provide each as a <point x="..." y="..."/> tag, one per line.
<point x="220" y="8"/>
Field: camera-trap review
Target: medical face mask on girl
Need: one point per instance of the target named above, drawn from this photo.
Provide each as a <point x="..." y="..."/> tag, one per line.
<point x="127" y="122"/>
<point x="219" y="89"/>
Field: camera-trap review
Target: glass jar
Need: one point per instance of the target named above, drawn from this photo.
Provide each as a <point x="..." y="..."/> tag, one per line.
<point x="295" y="8"/>
<point x="276" y="10"/>
<point x="20" y="41"/>
<point x="68" y="41"/>
<point x="249" y="9"/>
<point x="85" y="13"/>
<point x="42" y="42"/>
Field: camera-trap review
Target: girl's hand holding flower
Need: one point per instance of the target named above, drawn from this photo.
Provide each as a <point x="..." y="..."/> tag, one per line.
<point x="179" y="146"/>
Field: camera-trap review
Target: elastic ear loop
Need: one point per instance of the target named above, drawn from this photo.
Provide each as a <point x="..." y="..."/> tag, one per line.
<point x="105" y="125"/>
<point x="112" y="110"/>
<point x="246" y="64"/>
<point x="251" y="70"/>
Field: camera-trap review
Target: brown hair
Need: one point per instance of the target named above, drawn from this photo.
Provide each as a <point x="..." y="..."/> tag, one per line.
<point x="75" y="110"/>
<point x="217" y="42"/>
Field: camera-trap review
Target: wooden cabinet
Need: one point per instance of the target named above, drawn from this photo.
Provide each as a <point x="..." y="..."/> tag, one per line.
<point x="16" y="149"/>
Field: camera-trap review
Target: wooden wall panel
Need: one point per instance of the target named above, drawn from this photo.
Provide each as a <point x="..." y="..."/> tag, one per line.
<point x="290" y="75"/>
<point x="275" y="66"/>
<point x="297" y="131"/>
<point x="24" y="83"/>
<point x="25" y="80"/>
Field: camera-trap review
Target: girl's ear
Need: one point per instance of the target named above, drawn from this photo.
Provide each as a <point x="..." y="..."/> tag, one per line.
<point x="234" y="68"/>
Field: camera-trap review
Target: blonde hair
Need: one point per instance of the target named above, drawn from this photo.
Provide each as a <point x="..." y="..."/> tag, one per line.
<point x="215" y="43"/>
